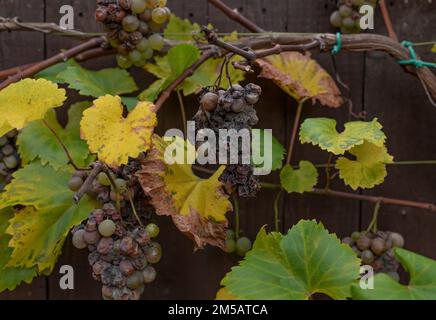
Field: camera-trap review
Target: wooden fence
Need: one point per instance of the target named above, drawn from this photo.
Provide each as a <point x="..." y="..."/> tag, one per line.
<point x="377" y="85"/>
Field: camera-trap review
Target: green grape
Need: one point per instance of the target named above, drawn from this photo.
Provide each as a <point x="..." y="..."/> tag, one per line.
<point x="147" y="54"/>
<point x="135" y="280"/>
<point x="137" y="6"/>
<point x="107" y="228"/>
<point x="151" y="4"/>
<point x="153" y="253"/>
<point x="149" y="274"/>
<point x="75" y="183"/>
<point x="3" y="140"/>
<point x="140" y="63"/>
<point x="230" y="246"/>
<point x="121" y="183"/>
<point x="134" y="56"/>
<point x="130" y="23"/>
<point x="367" y="257"/>
<point x="154" y="27"/>
<point x="243" y="245"/>
<point x="123" y="61"/>
<point x="156" y="42"/>
<point x="336" y="19"/>
<point x="152" y="230"/>
<point x="159" y="15"/>
<point x="345" y="11"/>
<point x="143" y="45"/>
<point x="355" y="236"/>
<point x="230" y="234"/>
<point x="78" y="241"/>
<point x="11" y="162"/>
<point x="143" y="27"/>
<point x="348" y="23"/>
<point x="103" y="179"/>
<point x="162" y="3"/>
<point x="114" y="43"/>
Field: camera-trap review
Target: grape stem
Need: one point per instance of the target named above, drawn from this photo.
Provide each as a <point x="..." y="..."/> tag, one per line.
<point x="134" y="210"/>
<point x="373" y="224"/>
<point x="96" y="169"/>
<point x="236" y="16"/>
<point x="182" y="111"/>
<point x="63" y="56"/>
<point x="387" y="20"/>
<point x="106" y="170"/>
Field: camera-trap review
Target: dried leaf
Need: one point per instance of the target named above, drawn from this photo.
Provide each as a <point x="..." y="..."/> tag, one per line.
<point x="301" y="77"/>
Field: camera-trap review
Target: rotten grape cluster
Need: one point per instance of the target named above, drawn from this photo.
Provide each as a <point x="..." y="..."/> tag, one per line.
<point x="122" y="249"/>
<point x="9" y="159"/>
<point x="347" y="16"/>
<point x="132" y="27"/>
<point x="376" y="250"/>
<point x="232" y="109"/>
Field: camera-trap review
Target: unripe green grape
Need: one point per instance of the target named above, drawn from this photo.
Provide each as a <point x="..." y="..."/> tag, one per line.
<point x="230" y="234"/>
<point x="367" y="257"/>
<point x="78" y="241"/>
<point x="149" y="274"/>
<point x="130" y="23"/>
<point x="345" y="11"/>
<point x="152" y="230"/>
<point x="140" y="63"/>
<point x="103" y="179"/>
<point x="159" y="15"/>
<point x="162" y="3"/>
<point x="230" y="246"/>
<point x="355" y="236"/>
<point x="107" y="228"/>
<point x="123" y="61"/>
<point x="11" y="162"/>
<point x="143" y="45"/>
<point x="121" y="183"/>
<point x="243" y="245"/>
<point x="148" y="53"/>
<point x="156" y="42"/>
<point x="114" y="43"/>
<point x="336" y="19"/>
<point x="154" y="27"/>
<point x="151" y="4"/>
<point x="348" y="22"/>
<point x="137" y="6"/>
<point x="75" y="183"/>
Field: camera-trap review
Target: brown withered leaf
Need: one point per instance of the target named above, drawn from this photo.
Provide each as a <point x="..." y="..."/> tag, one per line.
<point x="301" y="77"/>
<point x="202" y="228"/>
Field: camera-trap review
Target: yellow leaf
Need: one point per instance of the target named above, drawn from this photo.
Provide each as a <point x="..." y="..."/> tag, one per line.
<point x="113" y="137"/>
<point x="26" y="101"/>
<point x="197" y="206"/>
<point x="301" y="77"/>
<point x="224" y="295"/>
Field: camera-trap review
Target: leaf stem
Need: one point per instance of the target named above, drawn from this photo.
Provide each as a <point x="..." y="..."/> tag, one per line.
<point x="276" y="210"/>
<point x="295" y="130"/>
<point x="327" y="171"/>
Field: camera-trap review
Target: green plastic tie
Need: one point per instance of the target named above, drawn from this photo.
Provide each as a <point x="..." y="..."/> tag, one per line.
<point x="414" y="61"/>
<point x="338" y="46"/>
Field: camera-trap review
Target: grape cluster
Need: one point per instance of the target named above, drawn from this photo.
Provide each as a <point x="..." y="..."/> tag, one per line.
<point x="376" y="250"/>
<point x="347" y="17"/>
<point x="241" y="245"/>
<point x="9" y="159"/>
<point x="231" y="109"/>
<point x="122" y="251"/>
<point x="131" y="28"/>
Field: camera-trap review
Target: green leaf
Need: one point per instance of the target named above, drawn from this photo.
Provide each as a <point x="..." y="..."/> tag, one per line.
<point x="39" y="230"/>
<point x="36" y="141"/>
<point x="422" y="284"/>
<point x="10" y="277"/>
<point x="299" y="180"/>
<point x="369" y="168"/>
<point x="111" y="81"/>
<point x="130" y="102"/>
<point x="278" y="151"/>
<point x="181" y="29"/>
<point x="322" y="132"/>
<point x="168" y="68"/>
<point x="52" y="72"/>
<point x="295" y="266"/>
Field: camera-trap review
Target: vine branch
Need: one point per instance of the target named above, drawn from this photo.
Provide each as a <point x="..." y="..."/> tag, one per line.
<point x="236" y="16"/>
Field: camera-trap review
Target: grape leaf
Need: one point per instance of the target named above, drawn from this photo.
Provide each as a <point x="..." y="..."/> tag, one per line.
<point x="224" y="295"/>
<point x="113" y="137"/>
<point x="322" y="132"/>
<point x="168" y="68"/>
<point x="39" y="230"/>
<point x="278" y="151"/>
<point x="301" y="77"/>
<point x="295" y="266"/>
<point x="181" y="29"/>
<point x="369" y="168"/>
<point x="197" y="206"/>
<point x="299" y="180"/>
<point x="111" y="81"/>
<point x="422" y="284"/>
<point x="27" y="100"/>
<point x="36" y="141"/>
<point x="130" y="102"/>
<point x="52" y="72"/>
